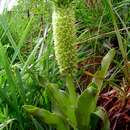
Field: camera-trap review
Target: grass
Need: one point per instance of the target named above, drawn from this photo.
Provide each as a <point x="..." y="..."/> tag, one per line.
<point x="27" y="59"/>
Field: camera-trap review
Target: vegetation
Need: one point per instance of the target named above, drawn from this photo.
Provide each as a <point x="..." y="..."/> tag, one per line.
<point x="64" y="65"/>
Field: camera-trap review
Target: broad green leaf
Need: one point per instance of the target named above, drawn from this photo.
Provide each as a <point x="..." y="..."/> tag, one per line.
<point x="100" y="75"/>
<point x="47" y="117"/>
<point x="60" y="97"/>
<point x="107" y="61"/>
<point x="64" y="104"/>
<point x="85" y="106"/>
<point x="100" y="114"/>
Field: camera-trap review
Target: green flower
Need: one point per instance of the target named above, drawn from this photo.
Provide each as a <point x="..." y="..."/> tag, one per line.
<point x="63" y="22"/>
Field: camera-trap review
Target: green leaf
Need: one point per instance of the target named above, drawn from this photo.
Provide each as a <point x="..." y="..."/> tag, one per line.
<point x="11" y="81"/>
<point x="100" y="75"/>
<point x="86" y="105"/>
<point x="60" y="97"/>
<point x="64" y="104"/>
<point x="5" y="26"/>
<point x="31" y="57"/>
<point x="23" y="38"/>
<point x="107" y="61"/>
<point x="10" y="77"/>
<point x="47" y="117"/>
<point x="6" y="123"/>
<point x="100" y="114"/>
<point x="20" y="86"/>
<point x="37" y="124"/>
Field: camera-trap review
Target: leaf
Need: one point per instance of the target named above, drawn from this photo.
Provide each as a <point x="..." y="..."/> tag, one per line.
<point x="118" y="35"/>
<point x="100" y="75"/>
<point x="47" y="117"/>
<point x="86" y="105"/>
<point x="64" y="104"/>
<point x="20" y="86"/>
<point x="37" y="124"/>
<point x="23" y="38"/>
<point x="5" y="26"/>
<point x="60" y="97"/>
<point x="5" y="124"/>
<point x="11" y="80"/>
<point x="31" y="57"/>
<point x="107" y="61"/>
<point x="100" y="114"/>
<point x="10" y="77"/>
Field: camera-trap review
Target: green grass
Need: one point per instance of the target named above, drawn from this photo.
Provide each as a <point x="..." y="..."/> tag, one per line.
<point x="27" y="58"/>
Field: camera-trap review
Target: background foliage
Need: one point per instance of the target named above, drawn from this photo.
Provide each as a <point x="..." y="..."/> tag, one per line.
<point x="27" y="60"/>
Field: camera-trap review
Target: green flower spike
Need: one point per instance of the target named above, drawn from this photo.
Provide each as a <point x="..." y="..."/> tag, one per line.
<point x="63" y="21"/>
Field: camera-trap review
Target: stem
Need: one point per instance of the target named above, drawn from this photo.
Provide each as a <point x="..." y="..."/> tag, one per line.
<point x="71" y="88"/>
